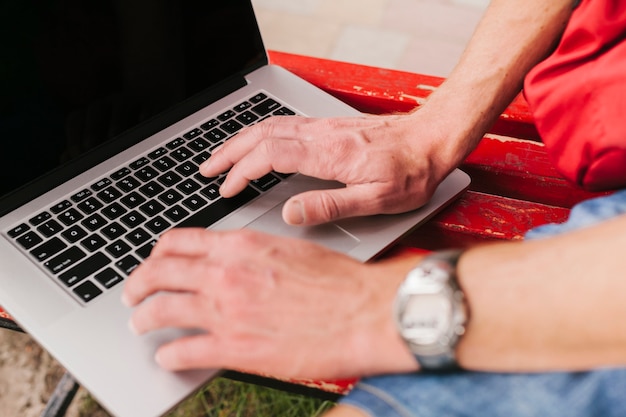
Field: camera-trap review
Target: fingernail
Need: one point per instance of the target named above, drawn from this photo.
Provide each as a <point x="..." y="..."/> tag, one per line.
<point x="296" y="213"/>
<point x="132" y="327"/>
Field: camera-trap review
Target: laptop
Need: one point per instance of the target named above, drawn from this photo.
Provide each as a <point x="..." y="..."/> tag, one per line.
<point x="107" y="109"/>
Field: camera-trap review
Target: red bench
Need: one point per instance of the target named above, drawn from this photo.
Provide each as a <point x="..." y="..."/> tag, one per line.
<point x="514" y="185"/>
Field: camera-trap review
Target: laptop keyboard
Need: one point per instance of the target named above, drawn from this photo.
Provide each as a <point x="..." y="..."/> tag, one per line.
<point x="93" y="240"/>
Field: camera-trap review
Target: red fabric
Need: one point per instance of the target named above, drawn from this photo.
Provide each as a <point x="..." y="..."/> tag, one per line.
<point x="578" y="97"/>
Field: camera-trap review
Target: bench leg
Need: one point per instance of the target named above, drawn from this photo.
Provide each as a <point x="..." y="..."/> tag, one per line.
<point x="61" y="397"/>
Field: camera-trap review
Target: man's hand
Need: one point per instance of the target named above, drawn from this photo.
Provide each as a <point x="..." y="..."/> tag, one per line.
<point x="268" y="304"/>
<point x="386" y="163"/>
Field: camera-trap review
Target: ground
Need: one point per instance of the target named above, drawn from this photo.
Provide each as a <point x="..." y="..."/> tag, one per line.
<point x="28" y="376"/>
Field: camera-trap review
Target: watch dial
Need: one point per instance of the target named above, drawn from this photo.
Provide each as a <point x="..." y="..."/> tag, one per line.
<point x="426" y="318"/>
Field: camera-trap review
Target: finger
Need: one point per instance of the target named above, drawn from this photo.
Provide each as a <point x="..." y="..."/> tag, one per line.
<point x="185" y="311"/>
<point x="322" y="206"/>
<point x="191" y="352"/>
<point x="174" y="274"/>
<point x="236" y="148"/>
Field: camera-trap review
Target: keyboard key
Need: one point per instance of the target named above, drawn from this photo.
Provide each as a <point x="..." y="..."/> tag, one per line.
<point x="128" y="184"/>
<point x="195" y="202"/>
<point x="215" y="135"/>
<point x="169" y="179"/>
<point x="242" y="106"/>
<point x="146" y="249"/>
<point x="192" y="134"/>
<point x="164" y="164"/>
<point x="258" y="98"/>
<point x="65" y="259"/>
<point x="247" y="118"/>
<point x="113" y="211"/>
<point x="48" y="249"/>
<point x="74" y="234"/>
<point x="118" y="175"/>
<point x="113" y="230"/>
<point x="127" y="264"/>
<point x="100" y="185"/>
<point x="29" y="240"/>
<point x="133" y="219"/>
<point x="94" y="222"/>
<point x="226" y="115"/>
<point x="188" y="186"/>
<point x="157" y="153"/>
<point x="87" y="291"/>
<point x="93" y="243"/>
<point x="177" y="213"/>
<point x="151" y="189"/>
<point x="70" y="217"/>
<point x="109" y="195"/>
<point x="266" y="107"/>
<point x="157" y="225"/>
<point x="219" y="209"/>
<point x="18" y="230"/>
<point x="118" y="248"/>
<point x="210" y="124"/>
<point x="108" y="278"/>
<point x="40" y="218"/>
<point x="84" y="269"/>
<point x="266" y="182"/>
<point x="199" y="145"/>
<point x="50" y="228"/>
<point x="132" y="200"/>
<point x="80" y="196"/>
<point x="59" y="207"/>
<point x="141" y="162"/>
<point x="175" y="143"/>
<point x="152" y="208"/>
<point x="146" y="173"/>
<point x="232" y="126"/>
<point x="90" y="205"/>
<point x="170" y="197"/>
<point x="182" y="154"/>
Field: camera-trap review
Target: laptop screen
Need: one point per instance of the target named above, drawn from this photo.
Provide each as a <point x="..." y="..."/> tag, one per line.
<point x="75" y="74"/>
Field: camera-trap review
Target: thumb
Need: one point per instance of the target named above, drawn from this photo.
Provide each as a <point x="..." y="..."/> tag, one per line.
<point x="323" y="206"/>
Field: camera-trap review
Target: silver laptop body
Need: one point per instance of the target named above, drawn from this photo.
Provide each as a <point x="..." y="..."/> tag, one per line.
<point x="56" y="172"/>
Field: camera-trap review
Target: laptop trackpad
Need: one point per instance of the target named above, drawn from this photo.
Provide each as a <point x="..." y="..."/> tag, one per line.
<point x="329" y="235"/>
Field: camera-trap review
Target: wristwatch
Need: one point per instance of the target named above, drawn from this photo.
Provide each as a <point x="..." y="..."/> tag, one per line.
<point x="431" y="312"/>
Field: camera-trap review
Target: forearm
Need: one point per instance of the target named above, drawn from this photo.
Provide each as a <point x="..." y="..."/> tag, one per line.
<point x="551" y="304"/>
<point x="512" y="37"/>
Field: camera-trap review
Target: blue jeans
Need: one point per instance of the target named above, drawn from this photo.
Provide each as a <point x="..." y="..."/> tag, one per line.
<point x="598" y="393"/>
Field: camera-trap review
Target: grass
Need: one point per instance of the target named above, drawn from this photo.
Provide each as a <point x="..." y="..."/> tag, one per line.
<point x="223" y="397"/>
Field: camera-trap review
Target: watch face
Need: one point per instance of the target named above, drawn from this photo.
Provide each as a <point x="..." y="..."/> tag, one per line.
<point x="426" y="319"/>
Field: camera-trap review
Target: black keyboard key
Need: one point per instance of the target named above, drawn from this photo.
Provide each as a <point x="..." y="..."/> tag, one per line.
<point x="84" y="269"/>
<point x="132" y="200"/>
<point x="157" y="225"/>
<point x="48" y="249"/>
<point x="204" y="180"/>
<point x="113" y="211"/>
<point x="40" y="218"/>
<point x="192" y="134"/>
<point x="199" y="145"/>
<point x="93" y="243"/>
<point x="152" y="208"/>
<point x="195" y="202"/>
<point x="127" y="264"/>
<point x="102" y="184"/>
<point x="90" y="205"/>
<point x="242" y="106"/>
<point x="61" y="206"/>
<point x="266" y="182"/>
<point x="138" y="236"/>
<point x="128" y="184"/>
<point x="258" y="98"/>
<point x="187" y="168"/>
<point x="219" y="209"/>
<point x="113" y="230"/>
<point x="175" y="143"/>
<point x="87" y="291"/>
<point x="247" y="118"/>
<point x="80" y="196"/>
<point x="232" y="126"/>
<point x="284" y="111"/>
<point x="133" y="219"/>
<point x="146" y="249"/>
<point x="66" y="259"/>
<point x="164" y="164"/>
<point x="171" y="197"/>
<point x="157" y="153"/>
<point x="188" y="186"/>
<point x="109" y="195"/>
<point x="226" y="115"/>
<point x="210" y="124"/>
<point x="74" y="234"/>
<point x="29" y="240"/>
<point x="181" y="154"/>
<point x="70" y="217"/>
<point x="50" y="228"/>
<point x="177" y="213"/>
<point x="121" y="173"/>
<point x="200" y="158"/>
<point x="215" y="135"/>
<point x="108" y="278"/>
<point x="118" y="248"/>
<point x="146" y="174"/>
<point x="169" y="179"/>
<point x="266" y="107"/>
<point x="141" y="162"/>
<point x="18" y="230"/>
<point x="151" y="189"/>
<point x="94" y="222"/>
<point x="211" y="192"/>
